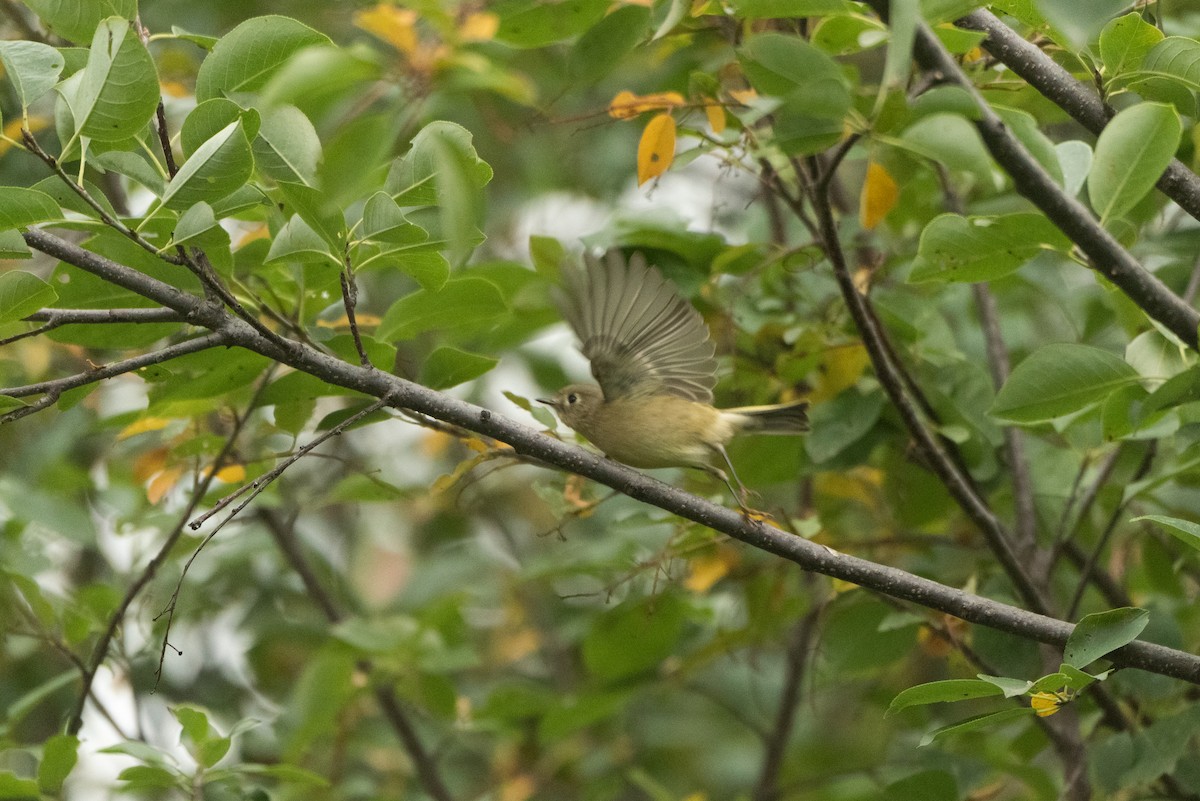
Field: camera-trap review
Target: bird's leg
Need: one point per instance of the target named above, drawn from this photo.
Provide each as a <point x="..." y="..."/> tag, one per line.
<point x="740" y="493"/>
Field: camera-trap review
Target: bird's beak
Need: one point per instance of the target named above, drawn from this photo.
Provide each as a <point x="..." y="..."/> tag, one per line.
<point x="547" y="401"/>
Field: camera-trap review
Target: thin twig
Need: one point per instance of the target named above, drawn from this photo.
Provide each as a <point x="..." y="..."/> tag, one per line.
<point x="53" y="389"/>
<point x="55" y="318"/>
<point x="100" y="651"/>
<point x="109" y="220"/>
<point x="262" y="482"/>
<point x="959" y="484"/>
<point x="350" y="302"/>
<point x="1113" y="520"/>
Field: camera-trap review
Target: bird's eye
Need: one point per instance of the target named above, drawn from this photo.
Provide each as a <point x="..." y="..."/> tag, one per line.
<point x="572" y="398"/>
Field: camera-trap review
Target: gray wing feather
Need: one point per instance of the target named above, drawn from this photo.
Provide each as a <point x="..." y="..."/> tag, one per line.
<point x="640" y="336"/>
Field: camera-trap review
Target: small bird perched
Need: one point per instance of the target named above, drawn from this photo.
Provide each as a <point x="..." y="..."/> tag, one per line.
<point x="655" y="364"/>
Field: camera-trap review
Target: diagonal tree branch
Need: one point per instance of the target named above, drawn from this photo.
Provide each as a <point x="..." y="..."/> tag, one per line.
<point x="1106" y="254"/>
<point x="1074" y="97"/>
<point x="533" y="444"/>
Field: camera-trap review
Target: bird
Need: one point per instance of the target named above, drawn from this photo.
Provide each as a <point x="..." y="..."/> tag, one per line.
<point x="655" y="366"/>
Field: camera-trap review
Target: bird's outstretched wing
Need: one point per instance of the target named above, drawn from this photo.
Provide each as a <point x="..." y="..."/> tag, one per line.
<point x="640" y="336"/>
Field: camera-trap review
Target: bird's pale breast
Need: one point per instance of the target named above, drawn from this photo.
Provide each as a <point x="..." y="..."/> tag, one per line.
<point x="656" y="431"/>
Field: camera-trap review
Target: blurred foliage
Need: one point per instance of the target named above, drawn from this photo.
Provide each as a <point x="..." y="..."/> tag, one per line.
<point x="546" y="641"/>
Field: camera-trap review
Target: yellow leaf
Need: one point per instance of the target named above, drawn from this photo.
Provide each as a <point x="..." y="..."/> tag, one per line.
<point x="879" y="195"/>
<point x="716" y="117"/>
<point x="233" y="474"/>
<point x="142" y="426"/>
<point x="149" y="463"/>
<point x="518" y="788"/>
<point x="479" y="26"/>
<point x="707" y="569"/>
<point x="1045" y="704"/>
<point x="163" y="483"/>
<point x="656" y="150"/>
<point x="573" y="495"/>
<point x="627" y="105"/>
<point x="174" y="89"/>
<point x="840" y="368"/>
<point x="396" y="26"/>
<point x="743" y="96"/>
<point x="857" y="484"/>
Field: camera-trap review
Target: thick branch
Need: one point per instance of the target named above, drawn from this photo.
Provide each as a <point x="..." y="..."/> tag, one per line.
<point x="1107" y="256"/>
<point x="139" y="283"/>
<point x="534" y="444"/>
<point x="531" y="443"/>
<point x="1074" y="97"/>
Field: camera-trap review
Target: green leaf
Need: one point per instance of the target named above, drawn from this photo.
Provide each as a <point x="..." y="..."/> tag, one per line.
<point x="194" y="223"/>
<point x="1185" y="531"/>
<point x="217" y="168"/>
<point x="976" y="723"/>
<point x="413" y="180"/>
<point x="12" y="245"/>
<point x="246" y="57"/>
<point x="789" y="67"/>
<point x="1026" y="128"/>
<point x="903" y="18"/>
<point x="540" y="24"/>
<point x="194" y="722"/>
<point x="448" y="367"/>
<point x="118" y="91"/>
<point x="133" y="165"/>
<point x="468" y="303"/>
<point x="1075" y="162"/>
<point x="1125" y="42"/>
<point x="315" y="208"/>
<point x="599" y="50"/>
<point x="842" y="421"/>
<point x="1131" y="153"/>
<point x="1060" y="379"/>
<point x="937" y="692"/>
<point x="655" y="624"/>
<point x="206" y="120"/>
<point x="77" y="21"/>
<point x="21" y="207"/>
<point x="949" y="139"/>
<point x="285" y="773"/>
<point x="287" y="147"/>
<point x="149" y="777"/>
<point x="22" y="293"/>
<point x="299" y="242"/>
<point x="928" y="785"/>
<point x="787" y="9"/>
<point x="11" y="786"/>
<point x="1010" y="687"/>
<point x="956" y="248"/>
<point x="1102" y="632"/>
<point x="59" y="754"/>
<point x="384" y="221"/>
<point x="1175" y="58"/>
<point x="1080" y="28"/>
<point x="32" y="67"/>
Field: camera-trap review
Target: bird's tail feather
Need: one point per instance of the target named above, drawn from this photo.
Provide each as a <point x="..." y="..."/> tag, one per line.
<point x="782" y="418"/>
